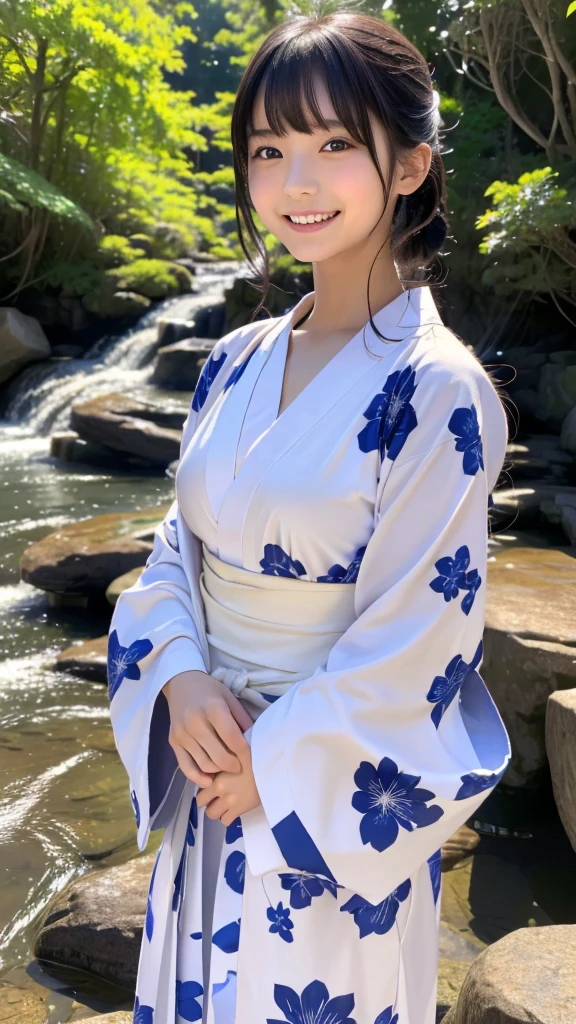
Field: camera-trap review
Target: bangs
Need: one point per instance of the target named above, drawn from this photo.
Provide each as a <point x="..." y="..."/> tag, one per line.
<point x="288" y="88"/>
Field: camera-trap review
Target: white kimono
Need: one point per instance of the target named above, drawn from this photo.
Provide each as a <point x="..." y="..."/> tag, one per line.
<point x="364" y="508"/>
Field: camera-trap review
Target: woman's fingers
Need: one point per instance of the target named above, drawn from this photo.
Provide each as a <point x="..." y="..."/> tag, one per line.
<point x="190" y="768"/>
<point x="216" y="808"/>
<point x="204" y="762"/>
<point x="206" y="734"/>
<point x="237" y="742"/>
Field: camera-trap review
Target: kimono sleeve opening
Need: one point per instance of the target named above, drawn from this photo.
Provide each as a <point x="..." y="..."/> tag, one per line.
<point x="367" y="767"/>
<point x="153" y="636"/>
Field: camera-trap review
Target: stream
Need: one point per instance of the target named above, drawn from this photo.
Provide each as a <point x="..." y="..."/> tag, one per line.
<point x="64" y="803"/>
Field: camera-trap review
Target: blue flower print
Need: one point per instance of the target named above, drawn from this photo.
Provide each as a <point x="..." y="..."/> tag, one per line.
<point x="143" y="1014"/>
<point x="391" y="417"/>
<point x="474" y="783"/>
<point x="455" y="576"/>
<point x="239" y="370"/>
<point x="192" y="823"/>
<point x="172" y="542"/>
<point x="277" y="563"/>
<point x="233" y="831"/>
<point x="235" y="871"/>
<point x="228" y="938"/>
<point x="122" y="660"/>
<point x="136" y="807"/>
<point x="281" y="922"/>
<point x="435" y="869"/>
<point x="187" y="993"/>
<point x="444" y="688"/>
<point x="149" y="920"/>
<point x="206" y="379"/>
<point x="376" y="919"/>
<point x="178" y="882"/>
<point x="386" y="1016"/>
<point x="195" y="935"/>
<point x="305" y="886"/>
<point x="388" y="798"/>
<point x="314" y="1006"/>
<point x="464" y="424"/>
<point x="338" y="574"/>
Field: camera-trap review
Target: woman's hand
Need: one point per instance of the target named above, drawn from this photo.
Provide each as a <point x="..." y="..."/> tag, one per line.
<point x="231" y="794"/>
<point x="207" y="725"/>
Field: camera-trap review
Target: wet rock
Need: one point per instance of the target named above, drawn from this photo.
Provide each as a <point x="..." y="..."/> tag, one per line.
<point x="525" y="978"/>
<point x="118" y="1017"/>
<point x="108" y="301"/>
<point x="86" y="557"/>
<point x="96" y="923"/>
<point x="529" y="641"/>
<point x="562" y="511"/>
<point x="178" y="366"/>
<point x="122" y="583"/>
<point x="568" y="433"/>
<point x="556" y="392"/>
<point x="561" y="748"/>
<point x="22" y="341"/>
<point x="87" y="659"/>
<point x="541" y="456"/>
<point x="69" y="447"/>
<point x="462" y="844"/>
<point x="129" y="425"/>
<point x="522" y="505"/>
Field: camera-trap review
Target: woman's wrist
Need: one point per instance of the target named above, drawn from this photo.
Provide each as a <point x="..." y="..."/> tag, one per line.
<point x="185" y="677"/>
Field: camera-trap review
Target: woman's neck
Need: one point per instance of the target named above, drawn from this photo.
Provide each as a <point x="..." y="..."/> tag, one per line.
<point x="340" y="300"/>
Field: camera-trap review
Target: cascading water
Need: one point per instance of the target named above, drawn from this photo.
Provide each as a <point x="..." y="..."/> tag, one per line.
<point x="64" y="801"/>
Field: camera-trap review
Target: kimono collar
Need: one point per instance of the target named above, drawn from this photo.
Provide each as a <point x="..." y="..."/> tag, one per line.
<point x="408" y="315"/>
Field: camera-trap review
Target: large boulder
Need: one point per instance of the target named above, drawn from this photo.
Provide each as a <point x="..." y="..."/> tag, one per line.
<point x="178" y="366"/>
<point x="529" y="641"/>
<point x="561" y="748"/>
<point x="95" y="924"/>
<point x="84" y="558"/>
<point x="556" y="393"/>
<point x="541" y="457"/>
<point x="527" y="977"/>
<point x="22" y="341"/>
<point x="128" y="425"/>
<point x="87" y="659"/>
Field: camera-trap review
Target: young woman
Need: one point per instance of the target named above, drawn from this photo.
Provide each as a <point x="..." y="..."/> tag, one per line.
<point x="294" y="677"/>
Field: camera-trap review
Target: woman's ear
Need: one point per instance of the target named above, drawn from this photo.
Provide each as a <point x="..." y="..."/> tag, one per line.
<point x="412" y="168"/>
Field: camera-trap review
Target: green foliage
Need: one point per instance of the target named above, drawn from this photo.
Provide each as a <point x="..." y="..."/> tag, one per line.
<point x="116" y="250"/>
<point x="156" y="279"/>
<point x="22" y="189"/>
<point x="528" y="231"/>
<point x="88" y="109"/>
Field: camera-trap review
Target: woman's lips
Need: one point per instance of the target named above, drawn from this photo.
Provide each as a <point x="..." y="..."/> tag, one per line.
<point x="316" y="225"/>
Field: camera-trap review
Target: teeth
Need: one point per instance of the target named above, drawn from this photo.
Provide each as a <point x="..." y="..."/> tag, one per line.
<point x="312" y="218"/>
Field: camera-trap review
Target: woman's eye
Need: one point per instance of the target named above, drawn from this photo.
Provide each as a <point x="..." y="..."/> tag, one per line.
<point x="338" y="142"/>
<point x="264" y="149"/>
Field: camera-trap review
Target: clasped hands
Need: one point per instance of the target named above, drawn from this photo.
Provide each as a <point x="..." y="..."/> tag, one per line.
<point x="207" y="725"/>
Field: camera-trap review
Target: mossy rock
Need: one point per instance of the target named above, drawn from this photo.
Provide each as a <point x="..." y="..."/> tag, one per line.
<point x="115" y="251"/>
<point x="156" y="279"/>
<point x="142" y="244"/>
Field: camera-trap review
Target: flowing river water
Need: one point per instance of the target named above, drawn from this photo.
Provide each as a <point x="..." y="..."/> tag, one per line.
<point x="64" y="803"/>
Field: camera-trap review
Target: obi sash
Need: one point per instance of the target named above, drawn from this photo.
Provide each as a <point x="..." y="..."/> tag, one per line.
<point x="267" y="632"/>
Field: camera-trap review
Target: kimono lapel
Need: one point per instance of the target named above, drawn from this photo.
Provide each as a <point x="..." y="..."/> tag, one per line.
<point x="230" y="491"/>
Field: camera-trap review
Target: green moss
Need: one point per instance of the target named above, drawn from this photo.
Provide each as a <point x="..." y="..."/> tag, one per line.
<point x="115" y="250"/>
<point x="156" y="279"/>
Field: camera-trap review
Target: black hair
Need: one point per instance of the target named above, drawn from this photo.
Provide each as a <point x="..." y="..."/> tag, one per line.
<point x="367" y="64"/>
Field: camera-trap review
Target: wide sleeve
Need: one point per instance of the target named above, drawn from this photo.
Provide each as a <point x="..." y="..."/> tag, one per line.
<point x="157" y="630"/>
<point x="366" y="768"/>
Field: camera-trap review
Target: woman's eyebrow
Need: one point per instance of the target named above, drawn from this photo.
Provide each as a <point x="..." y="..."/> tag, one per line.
<point x="264" y="132"/>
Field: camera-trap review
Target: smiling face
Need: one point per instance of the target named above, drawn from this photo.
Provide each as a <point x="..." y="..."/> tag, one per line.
<point x="326" y="172"/>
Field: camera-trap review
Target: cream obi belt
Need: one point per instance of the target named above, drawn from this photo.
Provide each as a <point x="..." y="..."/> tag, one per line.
<point x="267" y="632"/>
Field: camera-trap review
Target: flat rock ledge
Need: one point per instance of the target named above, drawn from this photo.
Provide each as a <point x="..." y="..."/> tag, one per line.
<point x="86" y="557"/>
<point x="561" y="748"/>
<point x="527" y="977"/>
<point x="96" y="923"/>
